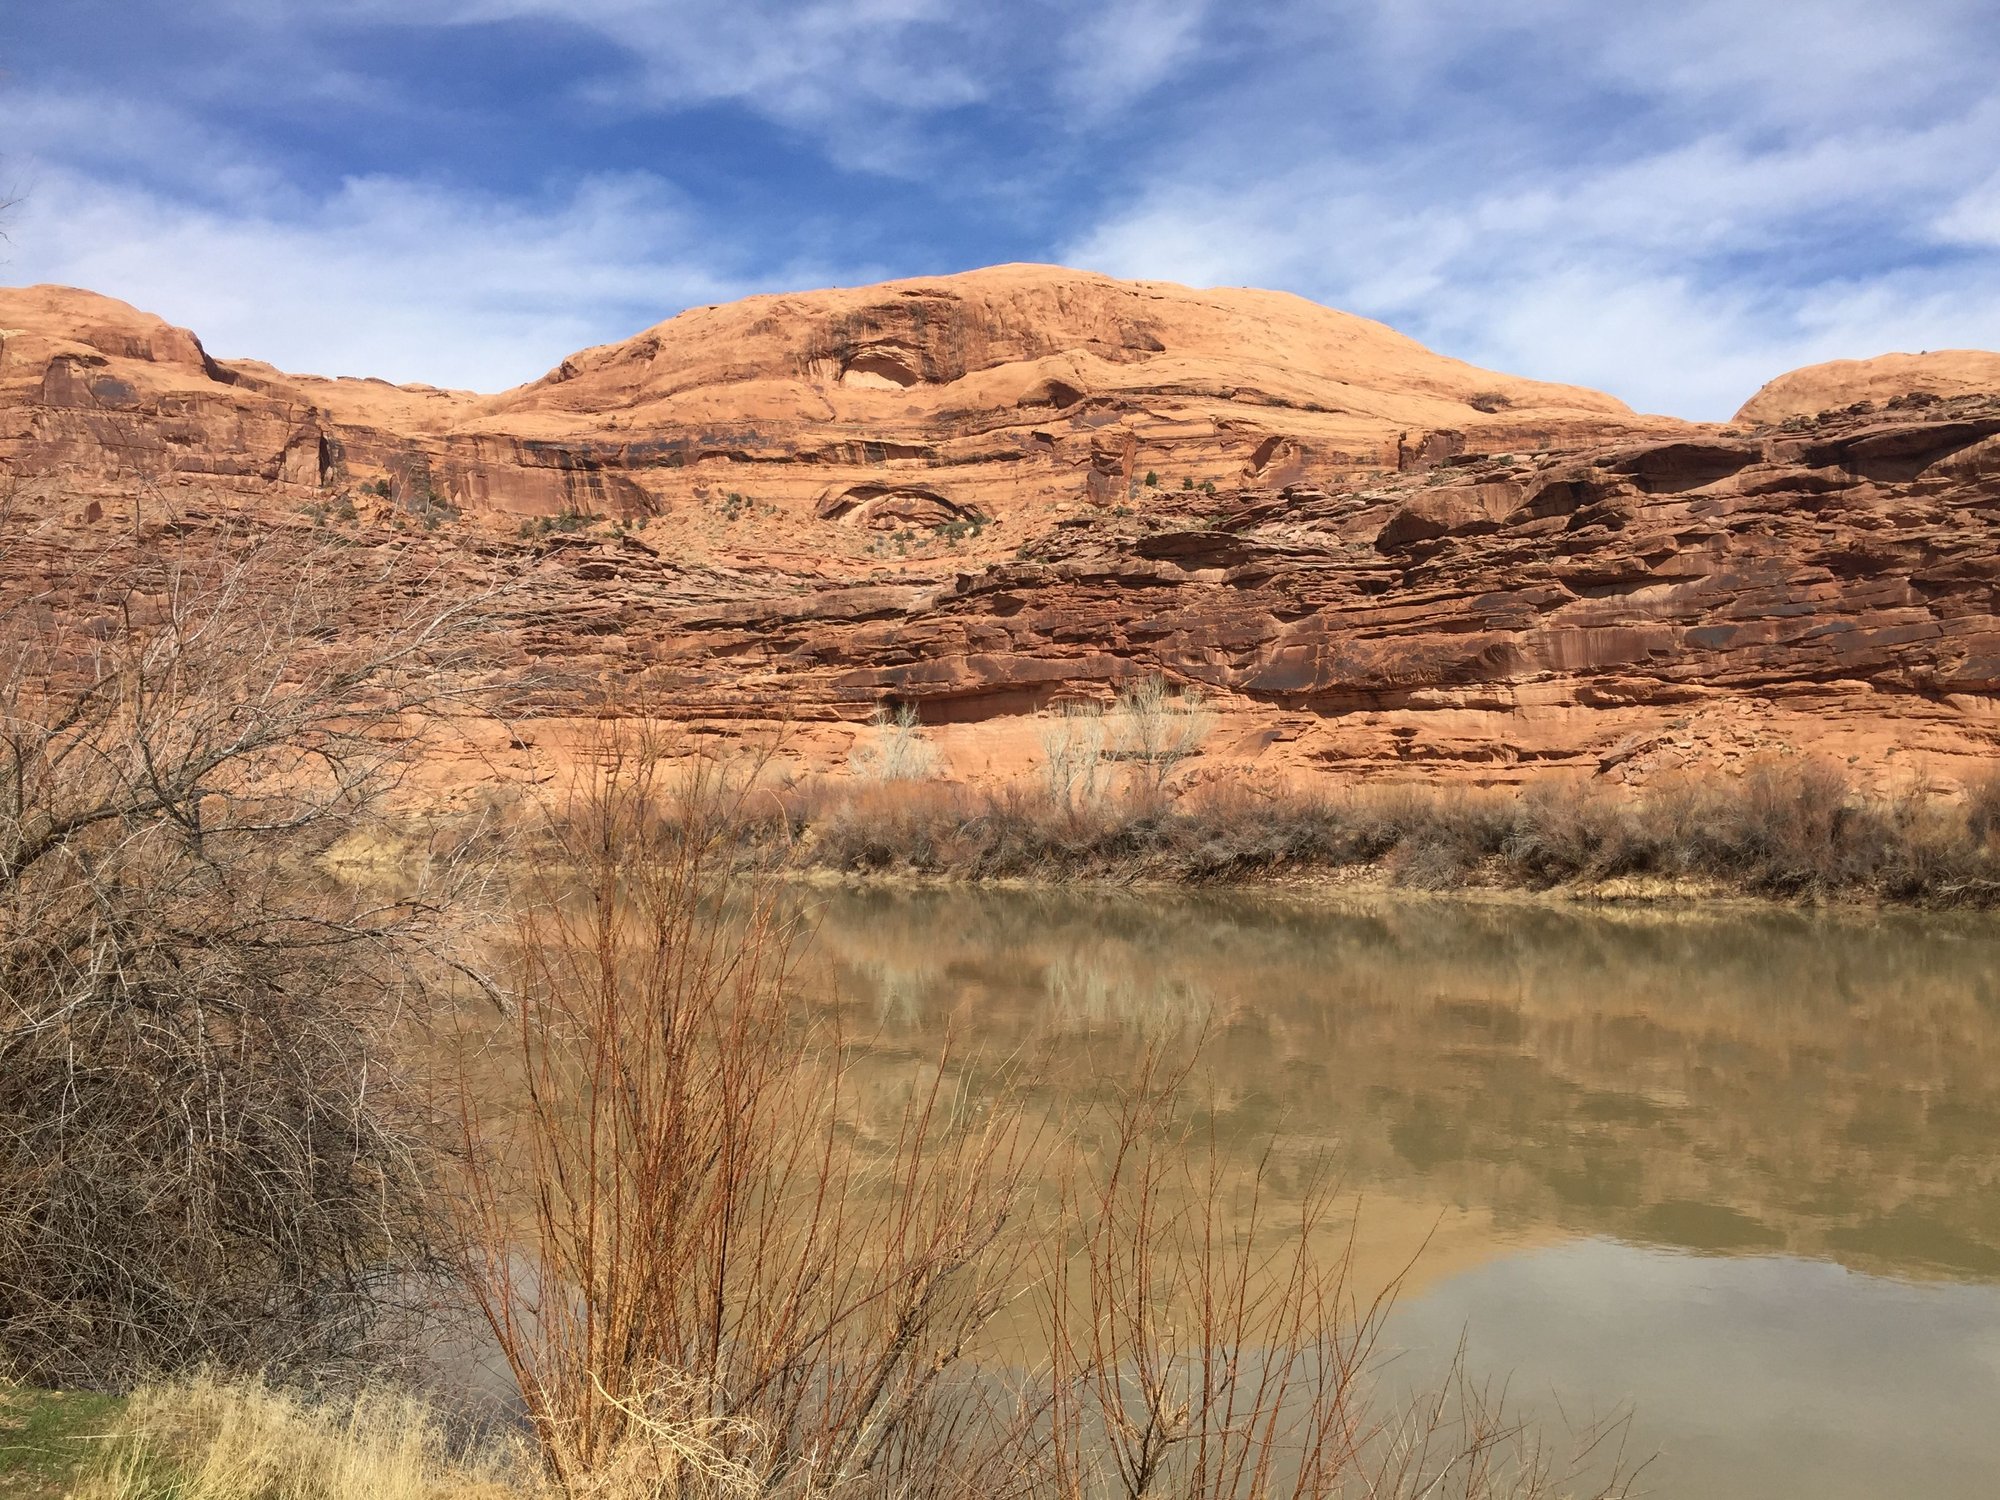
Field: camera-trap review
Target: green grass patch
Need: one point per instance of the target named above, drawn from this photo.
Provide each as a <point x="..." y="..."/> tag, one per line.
<point x="47" y="1437"/>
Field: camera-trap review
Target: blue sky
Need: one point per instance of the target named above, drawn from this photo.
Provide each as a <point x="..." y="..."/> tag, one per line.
<point x="1671" y="201"/>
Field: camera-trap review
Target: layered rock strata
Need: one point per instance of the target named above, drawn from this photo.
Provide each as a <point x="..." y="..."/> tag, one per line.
<point x="985" y="495"/>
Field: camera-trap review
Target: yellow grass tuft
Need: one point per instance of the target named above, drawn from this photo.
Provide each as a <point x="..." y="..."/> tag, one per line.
<point x="202" y="1438"/>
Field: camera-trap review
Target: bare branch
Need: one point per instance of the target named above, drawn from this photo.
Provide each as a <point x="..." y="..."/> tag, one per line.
<point x="205" y="1153"/>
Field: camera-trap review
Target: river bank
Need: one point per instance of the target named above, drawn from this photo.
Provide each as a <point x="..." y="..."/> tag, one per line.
<point x="1789" y="833"/>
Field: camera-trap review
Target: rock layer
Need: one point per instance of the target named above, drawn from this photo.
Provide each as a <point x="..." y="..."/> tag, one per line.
<point x="986" y="494"/>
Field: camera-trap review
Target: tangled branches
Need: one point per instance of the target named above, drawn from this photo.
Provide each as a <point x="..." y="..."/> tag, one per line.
<point x="202" y="1155"/>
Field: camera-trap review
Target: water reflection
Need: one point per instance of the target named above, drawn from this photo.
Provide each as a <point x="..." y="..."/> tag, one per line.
<point x="1752" y="1376"/>
<point x="1823" y="1086"/>
<point x="1737" y="1167"/>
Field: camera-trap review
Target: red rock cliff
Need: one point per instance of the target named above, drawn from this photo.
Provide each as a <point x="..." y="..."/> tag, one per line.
<point x="984" y="493"/>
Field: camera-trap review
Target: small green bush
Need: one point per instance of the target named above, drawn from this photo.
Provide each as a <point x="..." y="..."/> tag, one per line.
<point x="959" y="528"/>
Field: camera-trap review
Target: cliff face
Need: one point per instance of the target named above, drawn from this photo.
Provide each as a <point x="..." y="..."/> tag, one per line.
<point x="986" y="493"/>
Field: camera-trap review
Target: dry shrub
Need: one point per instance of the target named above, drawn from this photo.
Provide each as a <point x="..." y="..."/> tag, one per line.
<point x="200" y="1438"/>
<point x="1155" y="728"/>
<point x="204" y="1153"/>
<point x="1016" y="832"/>
<point x="900" y="750"/>
<point x="1191" y="1356"/>
<point x="1567" y="829"/>
<point x="1982" y="806"/>
<point x="1796" y="830"/>
<point x="1231" y="831"/>
<point x="1074" y="770"/>
<point x="704" y="1257"/>
<point x="1212" y="1345"/>
<point x="1799" y="826"/>
<point x="1206" y="1341"/>
<point x="1429" y="838"/>
<point x="872" y="827"/>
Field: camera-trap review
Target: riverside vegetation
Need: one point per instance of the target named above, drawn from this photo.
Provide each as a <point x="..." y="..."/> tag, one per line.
<point x="1107" y="807"/>
<point x="713" y="1262"/>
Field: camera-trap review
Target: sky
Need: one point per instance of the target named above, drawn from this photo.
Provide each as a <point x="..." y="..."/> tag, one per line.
<point x="1672" y="201"/>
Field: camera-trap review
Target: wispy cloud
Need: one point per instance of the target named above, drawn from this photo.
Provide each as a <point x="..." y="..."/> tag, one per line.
<point x="1126" y="49"/>
<point x="1670" y="202"/>
<point x="861" y="74"/>
<point x="400" y="277"/>
<point x="1678" y="265"/>
<point x="384" y="277"/>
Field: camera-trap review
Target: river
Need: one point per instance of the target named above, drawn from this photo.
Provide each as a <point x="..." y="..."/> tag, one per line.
<point x="1734" y="1172"/>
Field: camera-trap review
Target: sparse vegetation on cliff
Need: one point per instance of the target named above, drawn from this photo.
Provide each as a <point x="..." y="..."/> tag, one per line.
<point x="562" y="523"/>
<point x="899" y="750"/>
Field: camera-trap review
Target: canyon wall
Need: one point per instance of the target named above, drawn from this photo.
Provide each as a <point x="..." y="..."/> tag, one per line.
<point x="985" y="495"/>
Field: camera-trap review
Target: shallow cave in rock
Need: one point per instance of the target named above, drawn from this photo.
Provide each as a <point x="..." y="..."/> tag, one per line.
<point x="889" y="508"/>
<point x="879" y="369"/>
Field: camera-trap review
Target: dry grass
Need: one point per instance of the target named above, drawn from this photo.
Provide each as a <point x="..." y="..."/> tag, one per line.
<point x="1183" y="1430"/>
<point x="202" y="1438"/>
<point x="1982" y="807"/>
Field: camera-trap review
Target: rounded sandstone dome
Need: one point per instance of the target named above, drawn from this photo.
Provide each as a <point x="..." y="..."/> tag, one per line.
<point x="1806" y="392"/>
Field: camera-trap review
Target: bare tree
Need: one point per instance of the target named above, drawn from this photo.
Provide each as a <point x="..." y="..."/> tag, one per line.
<point x="1160" y="726"/>
<point x="901" y="750"/>
<point x="204" y="1155"/>
<point x="1073" y="766"/>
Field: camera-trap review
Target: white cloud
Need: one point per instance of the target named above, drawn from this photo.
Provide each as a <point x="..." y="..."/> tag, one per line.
<point x="385" y="277"/>
<point x="1672" y="203"/>
<point x="1679" y="267"/>
<point x="1580" y="284"/>
<point x="1824" y="62"/>
<point x="132" y="137"/>
<point x="860" y="75"/>
<point x="380" y="275"/>
<point x="1125" y="49"/>
<point x="1973" y="217"/>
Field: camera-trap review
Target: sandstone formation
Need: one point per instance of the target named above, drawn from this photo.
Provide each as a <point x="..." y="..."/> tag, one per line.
<point x="995" y="393"/>
<point x="987" y="494"/>
<point x="1907" y="379"/>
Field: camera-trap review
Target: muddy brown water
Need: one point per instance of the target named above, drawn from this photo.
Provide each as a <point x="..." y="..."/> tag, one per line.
<point x="1736" y="1171"/>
